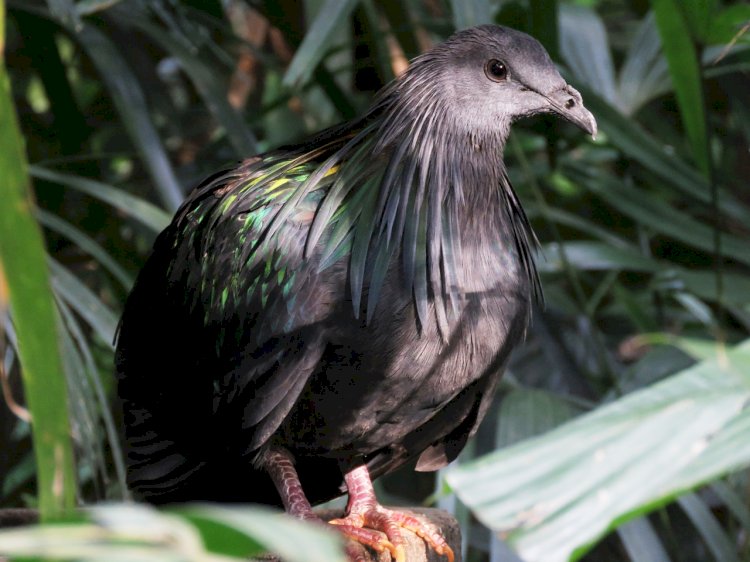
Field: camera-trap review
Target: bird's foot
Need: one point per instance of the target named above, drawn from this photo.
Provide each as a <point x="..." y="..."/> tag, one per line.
<point x="370" y="524"/>
<point x="366" y="523"/>
<point x="380" y="529"/>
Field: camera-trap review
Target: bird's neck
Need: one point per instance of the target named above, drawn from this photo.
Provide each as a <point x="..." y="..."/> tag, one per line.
<point x="480" y="190"/>
<point x="496" y="238"/>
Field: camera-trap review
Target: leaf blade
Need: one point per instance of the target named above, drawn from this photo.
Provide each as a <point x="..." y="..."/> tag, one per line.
<point x="552" y="497"/>
<point x="25" y="285"/>
<point x="317" y="40"/>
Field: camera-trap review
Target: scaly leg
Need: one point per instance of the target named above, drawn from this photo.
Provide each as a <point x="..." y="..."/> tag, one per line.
<point x="366" y="521"/>
<point x="363" y="510"/>
<point x="280" y="467"/>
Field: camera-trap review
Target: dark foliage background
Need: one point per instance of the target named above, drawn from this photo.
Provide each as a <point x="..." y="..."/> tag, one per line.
<point x="123" y="106"/>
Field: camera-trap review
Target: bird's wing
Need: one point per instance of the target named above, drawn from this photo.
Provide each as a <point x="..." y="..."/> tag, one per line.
<point x="225" y="252"/>
<point x="253" y="306"/>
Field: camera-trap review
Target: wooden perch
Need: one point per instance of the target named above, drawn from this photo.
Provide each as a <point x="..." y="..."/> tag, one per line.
<point x="18" y="517"/>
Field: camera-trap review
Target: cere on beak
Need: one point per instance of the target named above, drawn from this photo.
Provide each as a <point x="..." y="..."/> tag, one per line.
<point x="568" y="104"/>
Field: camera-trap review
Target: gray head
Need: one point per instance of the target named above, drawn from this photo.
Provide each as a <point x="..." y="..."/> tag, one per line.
<point x="484" y="78"/>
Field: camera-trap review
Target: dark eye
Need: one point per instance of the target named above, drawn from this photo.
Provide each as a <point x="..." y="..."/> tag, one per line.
<point x="496" y="70"/>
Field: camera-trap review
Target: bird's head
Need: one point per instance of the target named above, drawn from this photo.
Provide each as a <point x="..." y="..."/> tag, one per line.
<point x="484" y="78"/>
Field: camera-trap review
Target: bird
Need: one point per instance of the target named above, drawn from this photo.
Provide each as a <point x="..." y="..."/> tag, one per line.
<point x="323" y="313"/>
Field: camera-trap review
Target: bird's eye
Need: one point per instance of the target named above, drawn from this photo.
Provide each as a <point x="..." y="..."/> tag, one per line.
<point x="496" y="70"/>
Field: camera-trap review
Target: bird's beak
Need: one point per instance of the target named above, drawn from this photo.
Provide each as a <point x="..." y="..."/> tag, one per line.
<point x="567" y="103"/>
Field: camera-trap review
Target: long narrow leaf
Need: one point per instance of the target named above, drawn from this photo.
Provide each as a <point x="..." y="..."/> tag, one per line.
<point x="272" y="531"/>
<point x="144" y="212"/>
<point x="200" y="532"/>
<point x="709" y="528"/>
<point x="98" y="400"/>
<point x="317" y="40"/>
<point x="25" y="278"/>
<point x="81" y="401"/>
<point x="87" y="244"/>
<point x="84" y="302"/>
<point x="644" y="73"/>
<point x="661" y="217"/>
<point x="641" y="541"/>
<point x="131" y="103"/>
<point x="643" y="148"/>
<point x="209" y="84"/>
<point x="545" y="24"/>
<point x="66" y="11"/>
<point x="685" y="71"/>
<point x="585" y="49"/>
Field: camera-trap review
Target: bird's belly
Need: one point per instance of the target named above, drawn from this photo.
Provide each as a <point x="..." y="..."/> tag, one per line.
<point x="389" y="379"/>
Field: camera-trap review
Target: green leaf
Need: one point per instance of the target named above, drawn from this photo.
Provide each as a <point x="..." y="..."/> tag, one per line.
<point x="25" y="288"/>
<point x="584" y="46"/>
<point x="560" y="216"/>
<point x="728" y="23"/>
<point x="684" y="68"/>
<point x="292" y="540"/>
<point x="709" y="528"/>
<point x="643" y="148"/>
<point x="553" y="496"/>
<point x="88" y="7"/>
<point x="644" y="74"/>
<point x="144" y="212"/>
<point x="88" y="378"/>
<point x="209" y="533"/>
<point x="735" y="501"/>
<point x="698" y="15"/>
<point x="658" y="215"/>
<point x="81" y="402"/>
<point x="527" y="412"/>
<point x="65" y="11"/>
<point x="641" y="541"/>
<point x="130" y="101"/>
<point x="543" y="15"/>
<point x="332" y="15"/>
<point x="209" y="84"/>
<point x="84" y="302"/>
<point x="736" y="287"/>
<point x="595" y="256"/>
<point x="87" y="244"/>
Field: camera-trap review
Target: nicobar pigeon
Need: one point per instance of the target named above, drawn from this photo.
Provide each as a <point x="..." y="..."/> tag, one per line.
<point x="326" y="312"/>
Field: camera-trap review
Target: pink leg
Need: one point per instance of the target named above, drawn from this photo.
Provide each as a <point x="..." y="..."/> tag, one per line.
<point x="366" y="520"/>
<point x="281" y="469"/>
<point x="364" y="510"/>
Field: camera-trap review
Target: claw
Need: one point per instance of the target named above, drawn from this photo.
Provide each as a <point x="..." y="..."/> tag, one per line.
<point x="426" y="531"/>
<point x="371" y="524"/>
<point x="368" y="537"/>
<point x="366" y="523"/>
<point x="355" y="552"/>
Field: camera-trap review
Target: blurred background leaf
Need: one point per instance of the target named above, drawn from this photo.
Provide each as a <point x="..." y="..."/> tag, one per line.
<point x="197" y="532"/>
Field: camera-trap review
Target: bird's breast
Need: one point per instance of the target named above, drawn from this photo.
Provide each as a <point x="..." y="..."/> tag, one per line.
<point x="394" y="375"/>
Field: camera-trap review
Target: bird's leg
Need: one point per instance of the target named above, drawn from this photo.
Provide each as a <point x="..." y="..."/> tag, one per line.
<point x="363" y="510"/>
<point x="280" y="467"/>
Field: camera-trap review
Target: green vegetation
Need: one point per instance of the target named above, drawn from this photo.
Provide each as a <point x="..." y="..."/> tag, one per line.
<point x="123" y="106"/>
